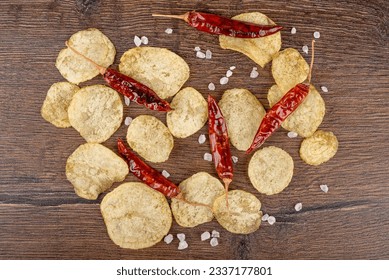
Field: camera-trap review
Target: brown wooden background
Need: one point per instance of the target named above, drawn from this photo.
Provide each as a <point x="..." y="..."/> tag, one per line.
<point x="40" y="215"/>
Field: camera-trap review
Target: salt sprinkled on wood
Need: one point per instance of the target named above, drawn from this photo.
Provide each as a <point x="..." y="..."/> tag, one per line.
<point x="254" y="73"/>
<point x="128" y="120"/>
<point x="293" y="30"/>
<point x="214" y="242"/>
<point x="324" y="188"/>
<point x="197" y="49"/>
<point x="324" y="88"/>
<point x="208" y="54"/>
<point x="205" y="235"/>
<point x="202" y="138"/>
<point x="168" y="238"/>
<point x="181" y="236"/>
<point x="232" y="68"/>
<point x="228" y="73"/>
<point x="271" y="220"/>
<point x="316" y="34"/>
<point x="200" y="54"/>
<point x="182" y="245"/>
<point x="168" y="31"/>
<point x="234" y="159"/>
<point x="215" y="233"/>
<point x="292" y="134"/>
<point x="211" y="86"/>
<point x="126" y="100"/>
<point x="305" y="49"/>
<point x="298" y="206"/>
<point x="144" y="40"/>
<point x="265" y="217"/>
<point x="165" y="174"/>
<point x="207" y="157"/>
<point x="223" y="80"/>
<point x="137" y="41"/>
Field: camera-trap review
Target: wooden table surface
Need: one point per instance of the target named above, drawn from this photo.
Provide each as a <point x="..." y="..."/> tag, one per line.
<point x="42" y="218"/>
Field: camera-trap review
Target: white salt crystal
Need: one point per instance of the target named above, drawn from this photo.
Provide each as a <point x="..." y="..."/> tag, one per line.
<point x="168" y="31"/>
<point x="232" y="68"/>
<point x="168" y="238"/>
<point x="293" y="30"/>
<point x="298" y="206"/>
<point x="324" y="188"/>
<point x="234" y="159"/>
<point x="211" y="86"/>
<point x="200" y="54"/>
<point x="128" y="120"/>
<point x="265" y="217"/>
<point x="214" y="242"/>
<point x="254" y="73"/>
<point x="205" y="235"/>
<point x="324" y="88"/>
<point x="228" y="73"/>
<point x="207" y="157"/>
<point x="165" y="174"/>
<point x="137" y="41"/>
<point x="271" y="220"/>
<point x="316" y="34"/>
<point x="215" y="233"/>
<point x="202" y="138"/>
<point x="144" y="40"/>
<point x="292" y="134"/>
<point x="181" y="236"/>
<point x="126" y="100"/>
<point x="305" y="49"/>
<point x="223" y="80"/>
<point x="208" y="54"/>
<point x="197" y="49"/>
<point x="182" y="245"/>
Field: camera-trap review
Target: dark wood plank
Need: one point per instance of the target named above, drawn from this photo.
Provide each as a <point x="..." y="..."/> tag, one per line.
<point x="41" y="217"/>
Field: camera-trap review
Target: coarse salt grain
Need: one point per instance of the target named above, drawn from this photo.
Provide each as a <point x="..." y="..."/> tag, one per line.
<point x="324" y="188"/>
<point x="128" y="120"/>
<point x="265" y="217"/>
<point x="305" y="49"/>
<point x="144" y="40"/>
<point x="234" y="159"/>
<point x="298" y="206"/>
<point x="200" y="54"/>
<point x="207" y="157"/>
<point x="182" y="245"/>
<point x="232" y="68"/>
<point x="208" y="54"/>
<point x="137" y="41"/>
<point x="168" y="31"/>
<point x="211" y="86"/>
<point x="254" y="73"/>
<point x="228" y="73"/>
<point x="271" y="220"/>
<point x="197" y="49"/>
<point x="316" y="34"/>
<point x="165" y="174"/>
<point x="205" y="235"/>
<point x="181" y="236"/>
<point x="215" y="233"/>
<point x="126" y="100"/>
<point x="202" y="138"/>
<point x="223" y="80"/>
<point x="293" y="30"/>
<point x="292" y="134"/>
<point x="214" y="242"/>
<point x="168" y="238"/>
<point x="324" y="88"/>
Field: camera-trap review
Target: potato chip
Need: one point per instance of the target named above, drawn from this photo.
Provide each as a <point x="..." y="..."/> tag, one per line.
<point x="55" y="107"/>
<point x="136" y="216"/>
<point x="93" y="168"/>
<point x="289" y="68"/>
<point x="96" y="112"/>
<point x="150" y="138"/>
<point x="199" y="188"/>
<point x="189" y="115"/>
<point x="260" y="50"/>
<point x="93" y="44"/>
<point x="319" y="148"/>
<point x="160" y="69"/>
<point x="270" y="170"/>
<point x="243" y="215"/>
<point x="243" y="114"/>
<point x="308" y="115"/>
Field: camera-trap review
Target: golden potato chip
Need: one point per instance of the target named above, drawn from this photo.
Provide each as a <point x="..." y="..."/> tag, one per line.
<point x="243" y="114"/>
<point x="243" y="215"/>
<point x="199" y="188"/>
<point x="150" y="138"/>
<point x="55" y="107"/>
<point x="93" y="168"/>
<point x="160" y="69"/>
<point x="270" y="170"/>
<point x="289" y="68"/>
<point x="260" y="50"/>
<point x="136" y="216"/>
<point x="189" y="115"/>
<point x="308" y="115"/>
<point x="93" y="44"/>
<point x="319" y="148"/>
<point x="96" y="112"/>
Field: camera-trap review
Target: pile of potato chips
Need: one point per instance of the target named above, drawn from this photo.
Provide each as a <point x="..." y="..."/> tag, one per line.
<point x="137" y="216"/>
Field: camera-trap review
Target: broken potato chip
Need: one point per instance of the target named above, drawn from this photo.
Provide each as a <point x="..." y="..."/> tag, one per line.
<point x="150" y="138"/>
<point x="243" y="114"/>
<point x="199" y="188"/>
<point x="96" y="112"/>
<point x="319" y="148"/>
<point x="160" y="69"/>
<point x="307" y="117"/>
<point x="93" y="44"/>
<point x="93" y="168"/>
<point x="260" y="50"/>
<point x="189" y="114"/>
<point x="270" y="170"/>
<point x="136" y="216"/>
<point x="243" y="215"/>
<point x="289" y="68"/>
<point x="55" y="107"/>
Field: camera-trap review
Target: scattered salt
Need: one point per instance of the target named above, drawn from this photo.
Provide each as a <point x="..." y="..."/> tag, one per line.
<point x="200" y="54"/>
<point x="207" y="157"/>
<point x="202" y="138"/>
<point x="292" y="134"/>
<point x="305" y="49"/>
<point x="165" y="174"/>
<point x="214" y="242"/>
<point x="182" y="245"/>
<point x="126" y="100"/>
<point x="271" y="220"/>
<point x="232" y="68"/>
<point x="128" y="120"/>
<point x="168" y="31"/>
<point x="324" y="188"/>
<point x="254" y="73"/>
<point x="168" y="238"/>
<point x="316" y="34"/>
<point x="205" y="235"/>
<point x="234" y="159"/>
<point x="137" y="41"/>
<point x="144" y="40"/>
<point x="223" y="80"/>
<point x="265" y="217"/>
<point x="197" y="49"/>
<point x="293" y="30"/>
<point x="228" y="73"/>
<point x="298" y="206"/>
<point x="211" y="86"/>
<point x="215" y="233"/>
<point x="324" y="88"/>
<point x="181" y="236"/>
<point x="208" y="54"/>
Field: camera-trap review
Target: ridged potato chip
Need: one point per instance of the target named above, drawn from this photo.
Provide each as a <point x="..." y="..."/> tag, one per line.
<point x="160" y="69"/>
<point x="199" y="188"/>
<point x="55" y="107"/>
<point x="308" y="115"/>
<point x="319" y="148"/>
<point x="260" y="50"/>
<point x="93" y="168"/>
<point x="93" y="44"/>
<point x="136" y="216"/>
<point x="289" y="68"/>
<point x="96" y="112"/>
<point x="189" y="114"/>
<point x="243" y="215"/>
<point x="270" y="170"/>
<point x="243" y="114"/>
<point x="150" y="138"/>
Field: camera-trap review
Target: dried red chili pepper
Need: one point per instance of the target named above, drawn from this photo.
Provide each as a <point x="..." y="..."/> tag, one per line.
<point x="218" y="25"/>
<point x="220" y="145"/>
<point x="146" y="173"/>
<point x="281" y="110"/>
<point x="134" y="90"/>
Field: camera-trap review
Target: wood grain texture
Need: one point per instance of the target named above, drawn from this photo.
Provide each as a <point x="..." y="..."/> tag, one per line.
<point x="40" y="215"/>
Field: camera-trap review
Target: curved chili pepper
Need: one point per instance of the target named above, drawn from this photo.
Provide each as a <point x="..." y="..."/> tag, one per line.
<point x="220" y="145"/>
<point x="146" y="173"/>
<point x="218" y="25"/>
<point x="134" y="90"/>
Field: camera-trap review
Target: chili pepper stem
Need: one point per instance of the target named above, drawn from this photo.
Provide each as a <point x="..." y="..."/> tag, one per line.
<point x="181" y="198"/>
<point x="227" y="183"/>
<point x="312" y="60"/>
<point x="183" y="17"/>
<point x="101" y="69"/>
